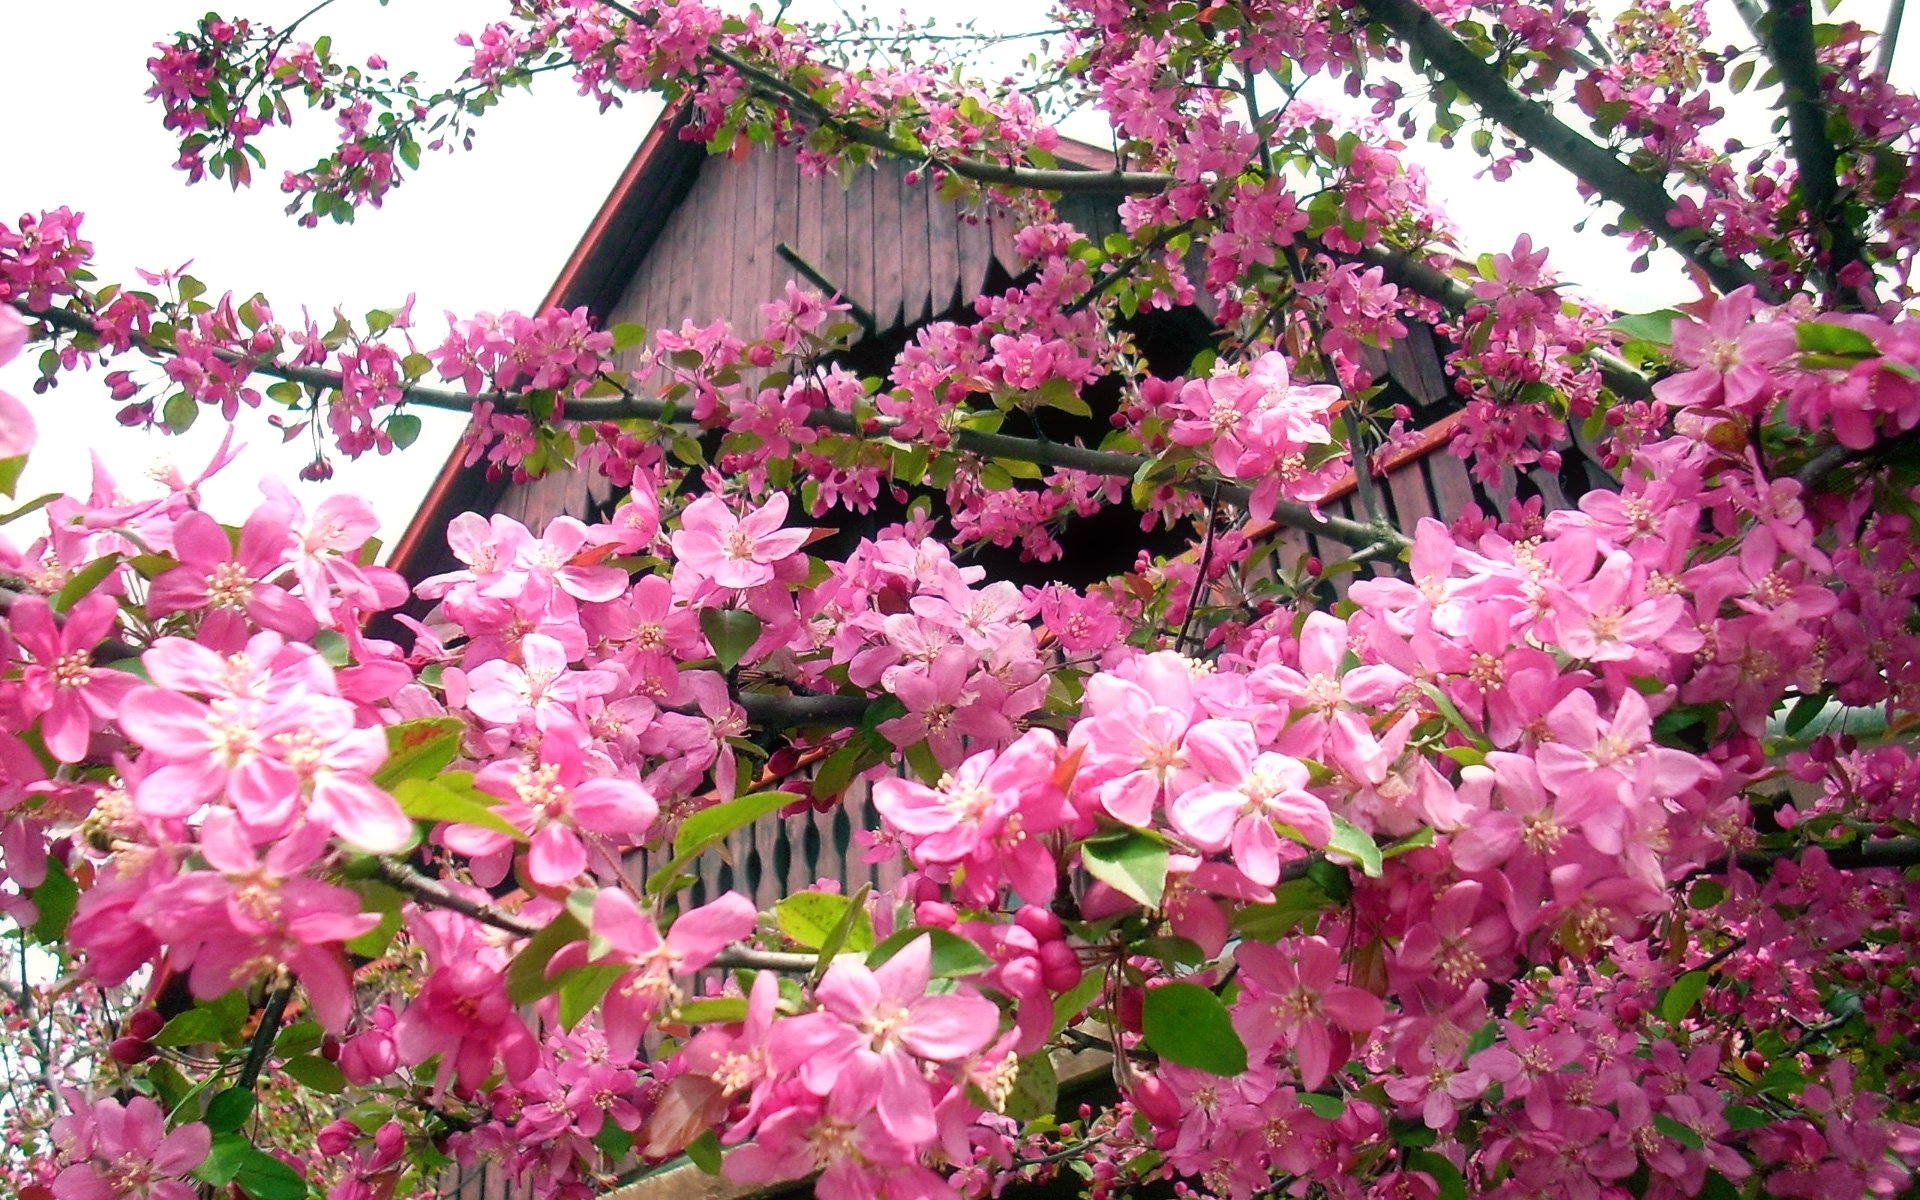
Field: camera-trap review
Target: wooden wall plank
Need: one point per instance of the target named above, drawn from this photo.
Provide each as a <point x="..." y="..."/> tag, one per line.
<point x="786" y="220"/>
<point x="809" y="199"/>
<point x="1004" y="225"/>
<point x="943" y="251"/>
<point x="857" y="277"/>
<point x="889" y="241"/>
<point x="1408" y="488"/>
<point x="915" y="258"/>
<point x="756" y="285"/>
<point x="976" y="256"/>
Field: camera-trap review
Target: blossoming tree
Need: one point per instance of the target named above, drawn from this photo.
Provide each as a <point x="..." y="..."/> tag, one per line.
<point x="1563" y="853"/>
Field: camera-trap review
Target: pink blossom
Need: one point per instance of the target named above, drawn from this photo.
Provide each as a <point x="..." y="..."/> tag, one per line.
<point x="62" y="685"/>
<point x="1294" y="998"/>
<point x="127" y="1153"/>
<point x="715" y="547"/>
<point x="871" y="1029"/>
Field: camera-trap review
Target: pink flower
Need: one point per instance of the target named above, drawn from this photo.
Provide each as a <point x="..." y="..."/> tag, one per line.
<point x="663" y="963"/>
<point x="1247" y="799"/>
<point x="251" y="914"/>
<point x="225" y="583"/>
<point x="551" y="798"/>
<point x="716" y="547"/>
<point x="871" y="1030"/>
<point x="1293" y="996"/>
<point x="127" y="1154"/>
<point x="62" y="684"/>
<point x="986" y="818"/>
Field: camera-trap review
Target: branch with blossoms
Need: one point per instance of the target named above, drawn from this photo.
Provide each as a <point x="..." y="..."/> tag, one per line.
<point x="1451" y="884"/>
<point x="394" y="384"/>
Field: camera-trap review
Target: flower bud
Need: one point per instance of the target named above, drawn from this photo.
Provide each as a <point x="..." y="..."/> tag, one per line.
<point x="145" y="1024"/>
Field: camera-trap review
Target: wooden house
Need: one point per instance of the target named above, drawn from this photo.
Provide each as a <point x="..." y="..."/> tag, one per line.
<point x="688" y="236"/>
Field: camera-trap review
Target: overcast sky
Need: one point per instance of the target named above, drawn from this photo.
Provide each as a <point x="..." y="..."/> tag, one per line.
<point x="482" y="231"/>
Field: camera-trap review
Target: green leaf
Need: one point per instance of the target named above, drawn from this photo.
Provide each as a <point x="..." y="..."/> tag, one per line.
<point x="627" y="335"/>
<point x="1705" y="893"/>
<point x="265" y="1177"/>
<point x="1820" y="337"/>
<point x="179" y="412"/>
<point x="731" y="632"/>
<point x="704" y="1151"/>
<point x="1742" y="75"/>
<point x="1131" y="863"/>
<point x="1419" y="839"/>
<point x="841" y="936"/>
<point x="1655" y="327"/>
<point x="1186" y="1024"/>
<point x="1036" y="1089"/>
<point x="1682" y="996"/>
<point x="951" y="955"/>
<point x="223" y="1160"/>
<point x="419" y="749"/>
<point x="32" y="506"/>
<point x="1678" y="1132"/>
<point x="1716" y="1187"/>
<point x="704" y="829"/>
<point x="376" y="897"/>
<point x="1329" y="1108"/>
<point x="810" y="918"/>
<point x="301" y="1037"/>
<point x="404" y="429"/>
<point x="716" y="1010"/>
<point x="527" y="979"/>
<point x="1351" y="841"/>
<point x="1741" y="1116"/>
<point x="1804" y="710"/>
<point x="1074" y="1001"/>
<point x="582" y="990"/>
<point x="10" y="469"/>
<point x="317" y="1073"/>
<point x="709" y="825"/>
<point x="920" y="757"/>
<point x="83" y="582"/>
<point x="994" y="477"/>
<point x="55" y="900"/>
<point x="432" y="800"/>
<point x="1294" y="903"/>
<point x="1446" y="1176"/>
<point x="190" y="1028"/>
<point x="229" y="1110"/>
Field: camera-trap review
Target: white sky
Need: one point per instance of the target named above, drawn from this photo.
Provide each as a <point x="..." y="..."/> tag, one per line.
<point x="485" y="230"/>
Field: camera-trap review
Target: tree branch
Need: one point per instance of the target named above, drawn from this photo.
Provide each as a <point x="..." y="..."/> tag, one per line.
<point x="1860" y="856"/>
<point x="439" y="895"/>
<point x="1641" y="196"/>
<point x="768" y="711"/>
<point x="616" y="408"/>
<point x="263" y="1036"/>
<point x="1788" y="36"/>
<point x="980" y="170"/>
